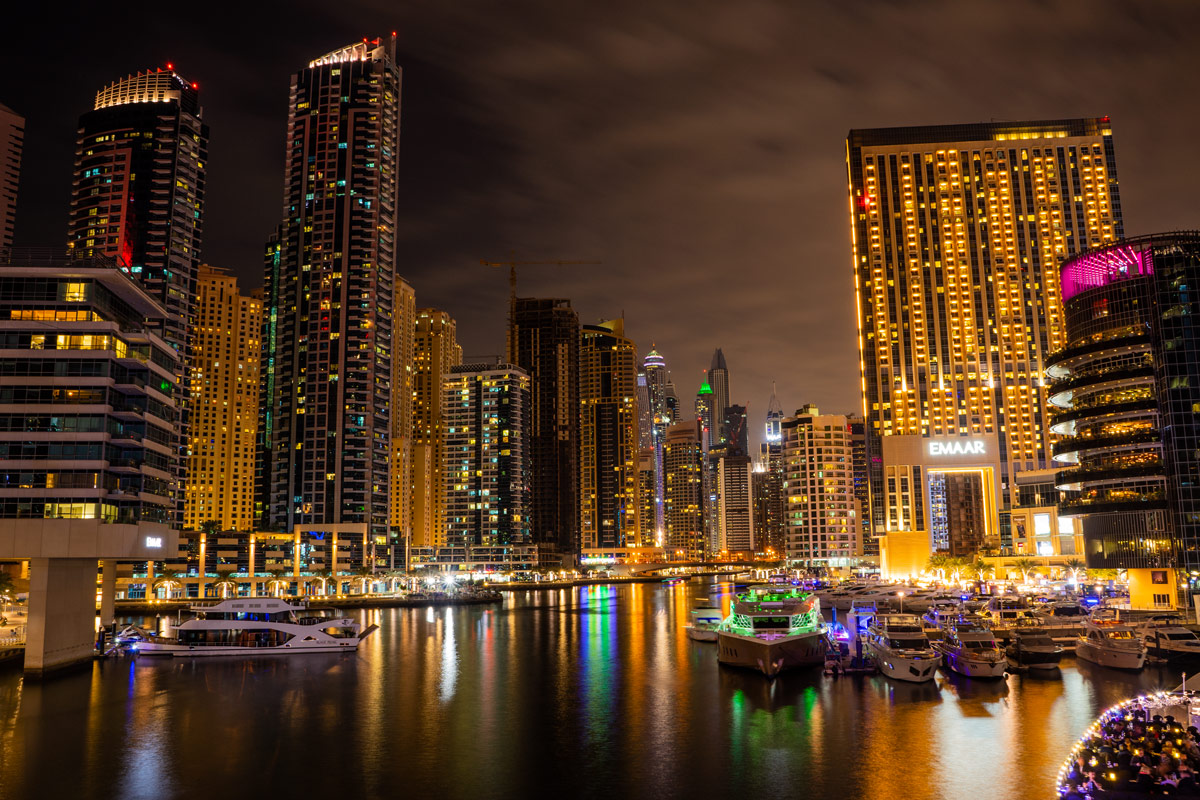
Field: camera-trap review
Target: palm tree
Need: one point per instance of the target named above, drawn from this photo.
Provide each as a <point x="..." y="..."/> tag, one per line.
<point x="167" y="580"/>
<point x="956" y="565"/>
<point x="277" y="585"/>
<point x="1026" y="566"/>
<point x="364" y="574"/>
<point x="7" y="587"/>
<point x="224" y="585"/>
<point x="324" y="575"/>
<point x="1075" y="567"/>
<point x="210" y="526"/>
<point x="937" y="564"/>
<point x="1103" y="574"/>
<point x="980" y="568"/>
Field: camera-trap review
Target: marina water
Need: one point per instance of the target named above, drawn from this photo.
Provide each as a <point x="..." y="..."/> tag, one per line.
<point x="584" y="692"/>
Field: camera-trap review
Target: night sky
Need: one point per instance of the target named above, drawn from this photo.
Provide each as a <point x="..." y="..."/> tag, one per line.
<point x="697" y="149"/>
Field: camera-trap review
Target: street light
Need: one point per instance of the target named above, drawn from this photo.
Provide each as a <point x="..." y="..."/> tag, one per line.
<point x="901" y="596"/>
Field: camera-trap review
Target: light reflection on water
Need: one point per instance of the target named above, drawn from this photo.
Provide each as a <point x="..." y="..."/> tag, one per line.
<point x="592" y="691"/>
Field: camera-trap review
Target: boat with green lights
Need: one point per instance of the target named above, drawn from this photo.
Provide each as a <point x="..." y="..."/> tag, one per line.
<point x="773" y="627"/>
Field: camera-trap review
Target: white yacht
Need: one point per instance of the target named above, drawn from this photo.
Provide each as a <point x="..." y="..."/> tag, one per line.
<point x="939" y="618"/>
<point x="1004" y="611"/>
<point x="705" y="620"/>
<point x="970" y="649"/>
<point x="258" y="625"/>
<point x="900" y="647"/>
<point x="773" y="627"/>
<point x="1064" y="619"/>
<point x="1168" y="638"/>
<point x="1111" y="643"/>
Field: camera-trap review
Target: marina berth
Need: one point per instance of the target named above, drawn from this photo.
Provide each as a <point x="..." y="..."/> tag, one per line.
<point x="1111" y="643"/>
<point x="771" y="628"/>
<point x="256" y="625"/>
<point x="970" y="649"/>
<point x="900" y="647"/>
<point x="1031" y="646"/>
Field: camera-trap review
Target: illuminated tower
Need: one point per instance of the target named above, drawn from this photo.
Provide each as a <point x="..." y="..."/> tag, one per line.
<point x="546" y="333"/>
<point x="330" y="301"/>
<point x="404" y="330"/>
<point x="718" y="379"/>
<point x="12" y="140"/>
<point x="608" y="437"/>
<point x="822" y="513"/>
<point x="684" y="535"/>
<point x="654" y="366"/>
<point x="957" y="235"/>
<point x="486" y="474"/>
<point x="224" y="404"/>
<point x="704" y="413"/>
<point x="435" y="352"/>
<point x="138" y="191"/>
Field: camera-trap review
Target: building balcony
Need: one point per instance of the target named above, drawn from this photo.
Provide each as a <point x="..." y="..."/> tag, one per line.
<point x="1108" y="504"/>
<point x="1064" y="423"/>
<point x="1061" y="391"/>
<point x="1078" y="479"/>
<point x="1060" y="363"/>
<point x="1092" y="444"/>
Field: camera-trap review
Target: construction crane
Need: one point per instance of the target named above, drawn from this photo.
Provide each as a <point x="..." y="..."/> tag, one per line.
<point x="512" y="291"/>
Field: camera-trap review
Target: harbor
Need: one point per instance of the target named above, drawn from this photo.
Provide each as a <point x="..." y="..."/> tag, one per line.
<point x="582" y="662"/>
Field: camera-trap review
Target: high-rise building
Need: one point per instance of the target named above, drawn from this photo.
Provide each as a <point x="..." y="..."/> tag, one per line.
<point x="404" y="331"/>
<point x="737" y="432"/>
<point x="862" y="492"/>
<point x="647" y="497"/>
<point x="704" y="412"/>
<point x="608" y="437"/>
<point x="957" y="233"/>
<point x="735" y="505"/>
<point x="546" y="333"/>
<point x="224" y="403"/>
<point x="645" y="411"/>
<point x="486" y="473"/>
<point x="12" y="142"/>
<point x="1127" y="386"/>
<point x="684" y="536"/>
<point x="435" y="351"/>
<point x="138" y="189"/>
<point x="822" y="514"/>
<point x="330" y="300"/>
<point x="654" y="367"/>
<point x="718" y="379"/>
<point x="90" y="442"/>
<point x="773" y="427"/>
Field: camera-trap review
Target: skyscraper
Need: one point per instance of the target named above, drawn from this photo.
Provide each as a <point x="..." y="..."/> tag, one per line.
<point x="654" y="367"/>
<point x="957" y="234"/>
<point x="608" y="437"/>
<point x="404" y="331"/>
<point x="704" y="412"/>
<point x="718" y="379"/>
<point x="769" y="480"/>
<point x="435" y="352"/>
<point x="735" y="502"/>
<point x="224" y="402"/>
<point x="684" y="537"/>
<point x="486" y="473"/>
<point x="546" y="334"/>
<point x="138" y="191"/>
<point x="822" y="514"/>
<point x="330" y="299"/>
<point x="12" y="142"/>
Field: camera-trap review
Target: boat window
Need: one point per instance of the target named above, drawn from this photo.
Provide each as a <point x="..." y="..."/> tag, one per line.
<point x="1120" y="634"/>
<point x="772" y="622"/>
<point x="1181" y="635"/>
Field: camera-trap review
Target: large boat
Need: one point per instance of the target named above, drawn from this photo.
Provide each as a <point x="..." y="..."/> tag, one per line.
<point x="1004" y="612"/>
<point x="1111" y="643"/>
<point x="773" y="627"/>
<point x="970" y="649"/>
<point x="705" y="620"/>
<point x="1031" y="646"/>
<point x="1064" y="619"/>
<point x="258" y="625"/>
<point x="900" y="647"/>
<point x="1166" y="637"/>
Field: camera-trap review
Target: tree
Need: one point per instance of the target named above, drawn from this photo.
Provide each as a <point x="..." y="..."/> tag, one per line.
<point x="937" y="564"/>
<point x="1075" y="567"/>
<point x="956" y="566"/>
<point x="8" y="587"/>
<point x="225" y="585"/>
<point x="364" y="575"/>
<point x="1103" y="574"/>
<point x="210" y="527"/>
<point x="1026" y="566"/>
<point x="167" y="580"/>
<point x="980" y="568"/>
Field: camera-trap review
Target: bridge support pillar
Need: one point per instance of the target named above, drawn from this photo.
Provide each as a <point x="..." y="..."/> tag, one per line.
<point x="108" y="591"/>
<point x="62" y="614"/>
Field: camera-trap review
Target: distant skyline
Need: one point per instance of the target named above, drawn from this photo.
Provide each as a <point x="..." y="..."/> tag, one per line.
<point x="697" y="150"/>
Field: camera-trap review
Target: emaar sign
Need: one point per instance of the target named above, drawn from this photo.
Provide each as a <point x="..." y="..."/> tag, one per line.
<point x="960" y="447"/>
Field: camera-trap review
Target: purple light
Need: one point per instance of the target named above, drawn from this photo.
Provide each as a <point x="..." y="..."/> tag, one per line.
<point x="1100" y="268"/>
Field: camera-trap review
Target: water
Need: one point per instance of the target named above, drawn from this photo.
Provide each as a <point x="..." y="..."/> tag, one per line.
<point x="586" y="692"/>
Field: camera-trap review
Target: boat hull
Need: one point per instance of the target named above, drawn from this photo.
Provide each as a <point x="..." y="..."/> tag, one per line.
<point x="1116" y="659"/>
<point x="974" y="668"/>
<point x="1035" y="659"/>
<point x="190" y="651"/>
<point x="904" y="668"/>
<point x="700" y="634"/>
<point x="774" y="655"/>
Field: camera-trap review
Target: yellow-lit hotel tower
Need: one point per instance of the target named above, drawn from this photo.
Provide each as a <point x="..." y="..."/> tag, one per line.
<point x="958" y="232"/>
<point x="224" y="374"/>
<point x="435" y="351"/>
